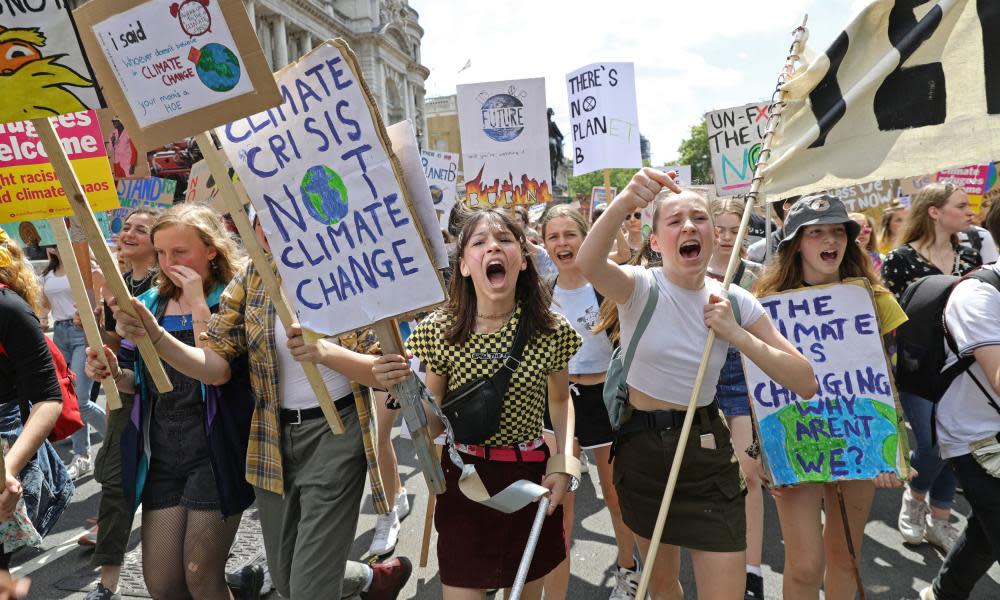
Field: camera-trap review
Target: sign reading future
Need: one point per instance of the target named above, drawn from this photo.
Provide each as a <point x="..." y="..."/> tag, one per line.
<point x="173" y="69"/>
<point x="342" y="232"/>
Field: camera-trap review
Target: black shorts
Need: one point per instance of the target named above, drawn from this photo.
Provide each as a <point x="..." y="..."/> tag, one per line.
<point x="180" y="471"/>
<point x="593" y="428"/>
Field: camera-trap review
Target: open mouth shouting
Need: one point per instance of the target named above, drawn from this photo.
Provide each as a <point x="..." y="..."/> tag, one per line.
<point x="565" y="257"/>
<point x="496" y="273"/>
<point x="690" y="250"/>
<point x="829" y="257"/>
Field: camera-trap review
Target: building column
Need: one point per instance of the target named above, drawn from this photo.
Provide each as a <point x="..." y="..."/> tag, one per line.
<point x="264" y="35"/>
<point x="251" y="6"/>
<point x="306" y="43"/>
<point x="279" y="39"/>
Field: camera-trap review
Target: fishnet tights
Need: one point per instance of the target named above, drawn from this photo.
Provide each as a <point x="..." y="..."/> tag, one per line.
<point x="184" y="553"/>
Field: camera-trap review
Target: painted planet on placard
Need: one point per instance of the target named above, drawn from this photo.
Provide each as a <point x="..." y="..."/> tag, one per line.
<point x="503" y="117"/>
<point x="217" y="67"/>
<point x="324" y="194"/>
<point x="437" y="194"/>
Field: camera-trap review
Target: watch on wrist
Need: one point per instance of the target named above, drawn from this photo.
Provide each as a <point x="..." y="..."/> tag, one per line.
<point x="574" y="483"/>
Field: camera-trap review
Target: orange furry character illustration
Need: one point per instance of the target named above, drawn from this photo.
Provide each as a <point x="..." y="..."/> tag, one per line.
<point x="34" y="85"/>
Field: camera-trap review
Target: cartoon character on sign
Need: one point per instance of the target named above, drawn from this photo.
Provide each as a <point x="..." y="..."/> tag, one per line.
<point x="34" y="82"/>
<point x="193" y="15"/>
<point x="324" y="194"/>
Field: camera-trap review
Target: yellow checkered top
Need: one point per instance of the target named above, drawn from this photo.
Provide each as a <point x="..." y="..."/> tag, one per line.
<point x="483" y="354"/>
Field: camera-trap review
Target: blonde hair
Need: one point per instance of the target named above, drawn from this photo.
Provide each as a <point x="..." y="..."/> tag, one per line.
<point x="872" y="247"/>
<point x="567" y="211"/>
<point x="884" y="234"/>
<point x="919" y="226"/>
<point x="728" y="206"/>
<point x="207" y="224"/>
<point x="666" y="195"/>
<point x="17" y="273"/>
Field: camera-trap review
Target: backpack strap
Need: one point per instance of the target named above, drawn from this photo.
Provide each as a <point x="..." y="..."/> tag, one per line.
<point x="964" y="363"/>
<point x="640" y="327"/>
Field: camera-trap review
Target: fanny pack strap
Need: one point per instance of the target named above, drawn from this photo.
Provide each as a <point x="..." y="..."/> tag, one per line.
<point x="501" y="378"/>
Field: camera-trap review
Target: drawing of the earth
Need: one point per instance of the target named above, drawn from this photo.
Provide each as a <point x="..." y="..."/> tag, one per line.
<point x="437" y="194"/>
<point x="497" y="110"/>
<point x="218" y="68"/>
<point x="324" y="194"/>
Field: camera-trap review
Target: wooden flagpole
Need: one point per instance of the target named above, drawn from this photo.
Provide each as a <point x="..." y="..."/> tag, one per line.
<point x="773" y="121"/>
<point x="78" y="202"/>
<point x="83" y="307"/>
<point x="231" y="200"/>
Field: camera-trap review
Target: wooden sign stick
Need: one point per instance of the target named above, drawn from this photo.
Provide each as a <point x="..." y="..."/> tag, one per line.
<point x="675" y="467"/>
<point x="78" y="202"/>
<point x="425" y="544"/>
<point x="231" y="200"/>
<point x="83" y="306"/>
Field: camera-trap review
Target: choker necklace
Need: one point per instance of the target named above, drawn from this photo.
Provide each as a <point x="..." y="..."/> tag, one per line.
<point x="135" y="284"/>
<point x="496" y="316"/>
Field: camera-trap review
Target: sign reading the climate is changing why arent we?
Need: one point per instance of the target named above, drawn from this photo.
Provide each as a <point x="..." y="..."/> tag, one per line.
<point x="848" y="430"/>
<point x="604" y="117"/>
<point x="344" y="239"/>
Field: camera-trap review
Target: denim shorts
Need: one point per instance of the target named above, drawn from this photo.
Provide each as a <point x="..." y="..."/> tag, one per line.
<point x="731" y="392"/>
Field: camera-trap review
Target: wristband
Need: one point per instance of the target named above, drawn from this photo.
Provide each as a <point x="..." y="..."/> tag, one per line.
<point x="163" y="332"/>
<point x="563" y="463"/>
<point x="118" y="375"/>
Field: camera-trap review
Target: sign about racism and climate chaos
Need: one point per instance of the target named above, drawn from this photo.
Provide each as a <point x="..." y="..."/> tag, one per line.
<point x="29" y="188"/>
<point x="900" y="91"/>
<point x="43" y="70"/>
<point x="973" y="180"/>
<point x="346" y="241"/>
<point x="441" y="171"/>
<point x="735" y="140"/>
<point x="505" y="143"/>
<point x="152" y="192"/>
<point x="604" y="117"/>
<point x="868" y="198"/>
<point x="173" y="69"/>
<point x="848" y="430"/>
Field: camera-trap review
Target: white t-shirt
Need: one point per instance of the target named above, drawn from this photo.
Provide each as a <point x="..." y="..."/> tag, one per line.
<point x="581" y="309"/>
<point x="988" y="247"/>
<point x="667" y="358"/>
<point x="964" y="414"/>
<point x="294" y="390"/>
<point x="57" y="290"/>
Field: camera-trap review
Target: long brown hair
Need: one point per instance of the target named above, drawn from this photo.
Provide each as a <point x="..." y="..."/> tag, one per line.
<point x="207" y="225"/>
<point x="567" y="211"/>
<point x="919" y="226"/>
<point x="533" y="295"/>
<point x="18" y="274"/>
<point x="728" y="206"/>
<point x="786" y="273"/>
<point x="991" y="222"/>
<point x="885" y="225"/>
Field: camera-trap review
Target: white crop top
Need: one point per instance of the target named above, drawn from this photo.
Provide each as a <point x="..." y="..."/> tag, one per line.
<point x="668" y="355"/>
<point x="294" y="390"/>
<point x="581" y="309"/>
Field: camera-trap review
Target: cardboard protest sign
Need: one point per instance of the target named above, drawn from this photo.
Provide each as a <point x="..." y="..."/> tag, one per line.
<point x="174" y="69"/>
<point x="682" y="175"/>
<point x="441" y="171"/>
<point x="127" y="161"/>
<point x="904" y="89"/>
<point x="868" y="198"/>
<point x="39" y="232"/>
<point x="152" y="192"/>
<point x="341" y="227"/>
<point x="972" y="180"/>
<point x="404" y="145"/>
<point x="735" y="139"/>
<point x="29" y="188"/>
<point x="849" y="429"/>
<point x="604" y="117"/>
<point x="505" y="143"/>
<point x="43" y="70"/>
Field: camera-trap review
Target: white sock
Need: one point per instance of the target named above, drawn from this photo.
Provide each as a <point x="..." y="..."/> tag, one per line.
<point x="368" y="583"/>
<point x="755" y="570"/>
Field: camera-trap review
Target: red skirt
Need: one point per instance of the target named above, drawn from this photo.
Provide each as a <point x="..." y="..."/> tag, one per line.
<point x="479" y="547"/>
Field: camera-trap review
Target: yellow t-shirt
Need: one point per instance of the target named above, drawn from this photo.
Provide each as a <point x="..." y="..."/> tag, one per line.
<point x="483" y="354"/>
<point x="890" y="314"/>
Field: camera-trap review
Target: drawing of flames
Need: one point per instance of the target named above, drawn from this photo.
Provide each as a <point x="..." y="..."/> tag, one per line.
<point x="505" y="193"/>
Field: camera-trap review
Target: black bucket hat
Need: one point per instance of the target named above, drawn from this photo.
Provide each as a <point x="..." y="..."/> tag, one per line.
<point x="821" y="209"/>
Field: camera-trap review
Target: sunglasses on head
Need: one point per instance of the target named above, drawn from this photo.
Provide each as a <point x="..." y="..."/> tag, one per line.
<point x="636" y="216"/>
<point x="866" y="229"/>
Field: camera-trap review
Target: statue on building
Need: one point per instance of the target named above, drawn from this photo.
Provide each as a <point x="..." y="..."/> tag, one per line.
<point x="555" y="146"/>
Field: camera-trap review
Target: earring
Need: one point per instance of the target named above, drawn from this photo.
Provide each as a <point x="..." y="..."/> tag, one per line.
<point x="214" y="264"/>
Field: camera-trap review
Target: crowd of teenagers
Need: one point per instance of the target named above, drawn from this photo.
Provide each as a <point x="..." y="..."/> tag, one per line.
<point x="548" y="301"/>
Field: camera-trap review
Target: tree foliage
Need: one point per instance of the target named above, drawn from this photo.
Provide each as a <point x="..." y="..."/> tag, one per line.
<point x="694" y="151"/>
<point x="584" y="183"/>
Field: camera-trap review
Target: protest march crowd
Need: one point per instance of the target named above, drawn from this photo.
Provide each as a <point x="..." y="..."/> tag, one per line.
<point x="256" y="357"/>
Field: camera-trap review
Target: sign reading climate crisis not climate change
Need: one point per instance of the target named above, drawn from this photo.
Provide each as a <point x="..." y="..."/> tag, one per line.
<point x="849" y="429"/>
<point x="346" y="243"/>
<point x="28" y="185"/>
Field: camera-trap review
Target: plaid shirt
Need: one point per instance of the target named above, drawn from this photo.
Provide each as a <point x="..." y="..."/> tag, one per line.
<point x="245" y="323"/>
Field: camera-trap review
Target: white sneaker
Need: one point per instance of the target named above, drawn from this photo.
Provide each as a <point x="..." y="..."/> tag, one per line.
<point x="626" y="584"/>
<point x="941" y="533"/>
<point x="913" y="518"/>
<point x="584" y="463"/>
<point x="80" y="466"/>
<point x="927" y="593"/>
<point x="386" y="534"/>
<point x="402" y="505"/>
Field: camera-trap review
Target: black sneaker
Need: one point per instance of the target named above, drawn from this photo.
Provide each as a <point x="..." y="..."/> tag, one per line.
<point x="755" y="587"/>
<point x="246" y="583"/>
<point x="103" y="593"/>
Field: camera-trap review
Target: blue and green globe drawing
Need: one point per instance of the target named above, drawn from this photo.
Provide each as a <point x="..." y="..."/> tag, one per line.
<point x="324" y="194"/>
<point x="218" y="68"/>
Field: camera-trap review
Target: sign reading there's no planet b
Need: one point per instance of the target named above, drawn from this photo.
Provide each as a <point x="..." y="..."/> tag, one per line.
<point x="341" y="229"/>
<point x="174" y="68"/>
<point x="604" y="117"/>
<point x="848" y="430"/>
